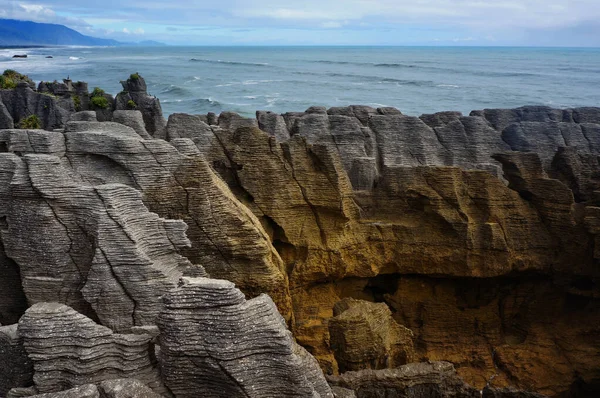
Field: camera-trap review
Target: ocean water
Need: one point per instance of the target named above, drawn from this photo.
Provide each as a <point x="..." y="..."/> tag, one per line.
<point x="415" y="80"/>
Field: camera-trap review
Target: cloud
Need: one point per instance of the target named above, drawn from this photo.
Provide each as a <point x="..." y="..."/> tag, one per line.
<point x="38" y="13"/>
<point x="522" y="21"/>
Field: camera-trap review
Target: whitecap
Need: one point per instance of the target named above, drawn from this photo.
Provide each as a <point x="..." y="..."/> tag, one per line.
<point x="448" y="85"/>
<point x="74" y="58"/>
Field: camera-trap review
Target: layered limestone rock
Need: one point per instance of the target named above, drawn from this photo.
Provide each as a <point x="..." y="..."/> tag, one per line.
<point x="104" y="253"/>
<point x="135" y="97"/>
<point x="480" y="233"/>
<point x="70" y="350"/>
<point x="215" y="343"/>
<point x="364" y="335"/>
<point x="358" y="197"/>
<point x="16" y="369"/>
<point x="434" y="379"/>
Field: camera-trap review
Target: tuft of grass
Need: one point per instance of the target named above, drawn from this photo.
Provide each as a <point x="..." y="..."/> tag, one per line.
<point x="98" y="92"/>
<point x="99" y="102"/>
<point x="131" y="104"/>
<point x="15" y="77"/>
<point x="30" y="122"/>
<point x="77" y="103"/>
<point x="134" y="76"/>
<point x="7" y="83"/>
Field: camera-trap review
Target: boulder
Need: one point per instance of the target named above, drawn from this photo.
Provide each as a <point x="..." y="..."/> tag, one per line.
<point x="216" y="343"/>
<point x="59" y="340"/>
<point x="364" y="335"/>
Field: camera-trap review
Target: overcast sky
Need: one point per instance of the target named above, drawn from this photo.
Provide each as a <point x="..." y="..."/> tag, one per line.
<point x="323" y="22"/>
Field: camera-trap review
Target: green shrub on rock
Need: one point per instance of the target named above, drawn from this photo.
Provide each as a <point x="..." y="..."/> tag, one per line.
<point x="99" y="102"/>
<point x="7" y="83"/>
<point x="77" y="103"/>
<point x="131" y="104"/>
<point x="10" y="78"/>
<point x="98" y="92"/>
<point x="30" y="122"/>
<point x="134" y="76"/>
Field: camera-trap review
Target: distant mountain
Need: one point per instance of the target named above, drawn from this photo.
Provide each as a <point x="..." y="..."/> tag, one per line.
<point x="27" y="33"/>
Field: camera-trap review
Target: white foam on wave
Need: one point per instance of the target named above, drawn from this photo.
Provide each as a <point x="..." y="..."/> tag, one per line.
<point x="74" y="58"/>
<point x="448" y="85"/>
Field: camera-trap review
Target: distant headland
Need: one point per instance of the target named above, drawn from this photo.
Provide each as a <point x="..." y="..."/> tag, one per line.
<point x="20" y="34"/>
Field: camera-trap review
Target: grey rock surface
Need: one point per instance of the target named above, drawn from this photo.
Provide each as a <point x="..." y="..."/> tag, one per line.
<point x="16" y="369"/>
<point x="215" y="343"/>
<point x="133" y="119"/>
<point x="69" y="350"/>
<point x="415" y="380"/>
<point x="85" y="391"/>
<point x="134" y="89"/>
<point x="126" y="388"/>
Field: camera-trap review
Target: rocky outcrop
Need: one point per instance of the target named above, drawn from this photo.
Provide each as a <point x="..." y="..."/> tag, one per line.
<point x="364" y="335"/>
<point x="470" y="239"/>
<point x="360" y="198"/>
<point x="434" y="379"/>
<point x="70" y="350"/>
<point x="135" y="96"/>
<point x="16" y="369"/>
<point x="214" y="343"/>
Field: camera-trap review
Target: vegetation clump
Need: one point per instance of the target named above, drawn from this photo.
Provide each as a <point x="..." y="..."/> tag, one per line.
<point x="77" y="102"/>
<point x="30" y="122"/>
<point x="134" y="76"/>
<point x="98" y="100"/>
<point x="131" y="104"/>
<point x="10" y="78"/>
<point x="7" y="83"/>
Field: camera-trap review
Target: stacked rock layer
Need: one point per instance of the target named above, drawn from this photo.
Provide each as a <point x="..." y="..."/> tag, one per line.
<point x="382" y="240"/>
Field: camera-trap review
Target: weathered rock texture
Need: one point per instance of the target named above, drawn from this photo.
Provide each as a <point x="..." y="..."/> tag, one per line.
<point x="134" y="89"/>
<point x="479" y="235"/>
<point x="16" y="369"/>
<point x="435" y="379"/>
<point x="363" y="335"/>
<point x="358" y="200"/>
<point x="70" y="350"/>
<point x="214" y="343"/>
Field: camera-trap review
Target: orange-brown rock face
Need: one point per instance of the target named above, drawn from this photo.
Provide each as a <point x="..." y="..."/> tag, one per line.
<point x="485" y="252"/>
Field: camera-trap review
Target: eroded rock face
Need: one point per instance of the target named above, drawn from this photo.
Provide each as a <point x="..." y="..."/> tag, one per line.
<point x="479" y="232"/>
<point x="363" y="335"/>
<point x="434" y="379"/>
<point x="134" y="89"/>
<point x="70" y="350"/>
<point x="16" y="369"/>
<point x="358" y="197"/>
<point x="214" y="343"/>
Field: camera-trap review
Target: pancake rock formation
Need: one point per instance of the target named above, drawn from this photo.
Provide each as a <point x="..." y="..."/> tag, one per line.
<point x="440" y="255"/>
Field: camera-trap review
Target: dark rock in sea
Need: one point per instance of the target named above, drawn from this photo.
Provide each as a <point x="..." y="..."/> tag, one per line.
<point x="20" y="56"/>
<point x="49" y="56"/>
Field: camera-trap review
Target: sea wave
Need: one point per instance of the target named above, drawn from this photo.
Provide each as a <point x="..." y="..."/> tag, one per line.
<point x="247" y="83"/>
<point x="74" y="58"/>
<point x="237" y="63"/>
<point x="175" y="90"/>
